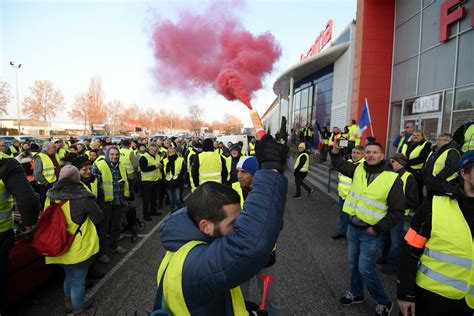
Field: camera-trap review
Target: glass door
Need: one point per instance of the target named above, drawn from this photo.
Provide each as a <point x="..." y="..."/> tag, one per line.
<point x="429" y="125"/>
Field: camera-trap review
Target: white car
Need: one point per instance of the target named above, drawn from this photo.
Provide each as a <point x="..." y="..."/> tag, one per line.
<point x="234" y="139"/>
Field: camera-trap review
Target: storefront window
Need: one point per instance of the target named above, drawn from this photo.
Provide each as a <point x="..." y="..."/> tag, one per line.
<point x="460" y="118"/>
<point x="297" y="101"/>
<point x="423" y="105"/>
<point x="464" y="98"/>
<point x="448" y="105"/>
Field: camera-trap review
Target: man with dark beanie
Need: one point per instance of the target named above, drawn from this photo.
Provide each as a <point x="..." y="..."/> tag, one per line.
<point x="209" y="165"/>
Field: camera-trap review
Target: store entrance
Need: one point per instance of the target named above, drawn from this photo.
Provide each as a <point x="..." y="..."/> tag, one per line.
<point x="429" y="125"/>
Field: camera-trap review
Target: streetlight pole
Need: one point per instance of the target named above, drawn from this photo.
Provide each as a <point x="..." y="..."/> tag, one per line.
<point x="17" y="96"/>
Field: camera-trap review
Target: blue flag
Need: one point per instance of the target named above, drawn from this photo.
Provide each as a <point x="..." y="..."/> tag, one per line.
<point x="364" y="120"/>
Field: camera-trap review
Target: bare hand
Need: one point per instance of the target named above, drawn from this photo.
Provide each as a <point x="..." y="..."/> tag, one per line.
<point x="371" y="231"/>
<point x="407" y="308"/>
<point x="336" y="148"/>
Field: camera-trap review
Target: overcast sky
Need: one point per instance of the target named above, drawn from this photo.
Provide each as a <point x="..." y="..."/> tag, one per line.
<point x="68" y="42"/>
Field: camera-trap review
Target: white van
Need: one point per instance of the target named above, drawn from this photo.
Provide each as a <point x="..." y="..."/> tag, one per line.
<point x="234" y="139"/>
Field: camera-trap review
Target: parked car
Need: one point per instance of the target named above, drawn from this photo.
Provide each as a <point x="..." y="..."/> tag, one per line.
<point x="27" y="138"/>
<point x="234" y="139"/>
<point x="8" y="140"/>
<point x="155" y="137"/>
<point x="118" y="139"/>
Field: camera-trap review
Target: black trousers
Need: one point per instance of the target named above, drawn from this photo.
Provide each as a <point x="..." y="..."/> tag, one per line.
<point x="112" y="220"/>
<point x="7" y="241"/>
<point x="431" y="304"/>
<point x="300" y="183"/>
<point x="149" y="195"/>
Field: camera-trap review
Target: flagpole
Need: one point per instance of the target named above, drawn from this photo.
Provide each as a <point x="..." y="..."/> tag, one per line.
<point x="370" y="118"/>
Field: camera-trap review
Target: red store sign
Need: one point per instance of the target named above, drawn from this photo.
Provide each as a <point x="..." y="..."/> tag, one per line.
<point x="323" y="38"/>
<point x="451" y="11"/>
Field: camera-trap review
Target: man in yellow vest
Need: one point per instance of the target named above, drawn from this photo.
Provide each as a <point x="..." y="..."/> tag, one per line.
<point x="206" y="258"/>
<point x="174" y="169"/>
<point x="436" y="270"/>
<point x="441" y="167"/>
<point x="375" y="204"/>
<point x="308" y="136"/>
<point x="353" y="133"/>
<point x="404" y="136"/>
<point x="190" y="155"/>
<point x="252" y="146"/>
<point x="150" y="166"/>
<point x="464" y="136"/>
<point x="209" y="165"/>
<point x="13" y="185"/>
<point x="343" y="188"/>
<point x="300" y="172"/>
<point x="113" y="194"/>
<point x="15" y="148"/>
<point x="46" y="169"/>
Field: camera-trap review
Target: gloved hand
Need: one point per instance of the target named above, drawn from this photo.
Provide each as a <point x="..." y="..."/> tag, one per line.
<point x="253" y="309"/>
<point x="270" y="154"/>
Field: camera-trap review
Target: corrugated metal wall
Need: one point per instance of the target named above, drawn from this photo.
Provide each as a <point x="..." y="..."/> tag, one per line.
<point x="341" y="85"/>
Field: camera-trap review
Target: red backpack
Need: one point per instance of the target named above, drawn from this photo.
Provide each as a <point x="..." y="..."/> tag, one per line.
<point x="51" y="236"/>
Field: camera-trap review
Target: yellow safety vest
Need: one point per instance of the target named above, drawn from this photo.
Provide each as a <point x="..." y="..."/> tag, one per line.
<point x="125" y="158"/>
<point x="446" y="266"/>
<point x="155" y="174"/>
<point x="440" y="163"/>
<point x="13" y="150"/>
<point x="369" y="202"/>
<point x="108" y="181"/>
<point x="236" y="186"/>
<point x="94" y="187"/>
<point x="173" y="264"/>
<point x="308" y="132"/>
<point x="415" y="153"/>
<point x="305" y="167"/>
<point x="404" y="178"/>
<point x="6" y="205"/>
<point x="163" y="150"/>
<point x="344" y="184"/>
<point x="401" y="143"/>
<point x="178" y="165"/>
<point x="243" y="152"/>
<point x="353" y="135"/>
<point x="210" y="167"/>
<point x="48" y="167"/>
<point x="85" y="244"/>
<point x="468" y="139"/>
<point x="252" y="149"/>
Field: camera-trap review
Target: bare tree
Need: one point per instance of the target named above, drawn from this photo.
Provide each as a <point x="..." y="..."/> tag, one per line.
<point x="44" y="101"/>
<point x="5" y="96"/>
<point x="232" y="125"/>
<point x="97" y="106"/>
<point x="114" y="115"/>
<point x="80" y="111"/>
<point x="195" y="112"/>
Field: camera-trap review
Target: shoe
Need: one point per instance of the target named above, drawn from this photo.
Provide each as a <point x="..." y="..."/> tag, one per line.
<point x="388" y="269"/>
<point x="383" y="310"/>
<point x="349" y="299"/>
<point x="338" y="236"/>
<point x="120" y="250"/>
<point x="104" y="259"/>
<point x="297" y="197"/>
<point x="147" y="218"/>
<point x="155" y="214"/>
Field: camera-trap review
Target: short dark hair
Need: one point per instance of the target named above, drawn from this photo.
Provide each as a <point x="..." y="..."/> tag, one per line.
<point x="374" y="144"/>
<point x="208" y="201"/>
<point x="126" y="142"/>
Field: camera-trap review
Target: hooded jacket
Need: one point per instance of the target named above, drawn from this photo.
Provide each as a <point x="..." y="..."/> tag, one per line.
<point x="212" y="269"/>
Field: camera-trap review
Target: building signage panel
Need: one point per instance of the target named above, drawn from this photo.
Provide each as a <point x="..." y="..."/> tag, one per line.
<point x="426" y="104"/>
<point x="451" y="11"/>
<point x="321" y="41"/>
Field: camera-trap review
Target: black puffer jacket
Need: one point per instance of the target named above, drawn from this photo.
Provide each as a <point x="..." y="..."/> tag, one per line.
<point x="435" y="184"/>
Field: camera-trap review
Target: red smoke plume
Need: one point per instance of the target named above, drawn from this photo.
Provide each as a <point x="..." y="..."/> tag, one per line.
<point x="213" y="49"/>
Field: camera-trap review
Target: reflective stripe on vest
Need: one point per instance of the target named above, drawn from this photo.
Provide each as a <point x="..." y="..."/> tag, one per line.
<point x="305" y="167"/>
<point x="171" y="271"/>
<point x="415" y="153"/>
<point x="155" y="174"/>
<point x="6" y="208"/>
<point x="468" y="139"/>
<point x="178" y="165"/>
<point x="48" y="167"/>
<point x="440" y="163"/>
<point x="369" y="202"/>
<point x="344" y="184"/>
<point x="13" y="150"/>
<point x="125" y="158"/>
<point x="107" y="180"/>
<point x="237" y="188"/>
<point x="62" y="153"/>
<point x="210" y="167"/>
<point x="252" y="149"/>
<point x="85" y="244"/>
<point x="446" y="266"/>
<point x="404" y="178"/>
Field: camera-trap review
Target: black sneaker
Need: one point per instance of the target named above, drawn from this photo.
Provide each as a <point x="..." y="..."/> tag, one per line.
<point x="383" y="310"/>
<point x="349" y="299"/>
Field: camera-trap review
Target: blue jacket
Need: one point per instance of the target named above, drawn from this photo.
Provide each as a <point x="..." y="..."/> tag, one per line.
<point x="212" y="269"/>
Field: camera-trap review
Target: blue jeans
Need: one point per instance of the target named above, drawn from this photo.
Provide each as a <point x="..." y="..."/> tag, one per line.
<point x="174" y="195"/>
<point x="394" y="240"/>
<point x="343" y="219"/>
<point x="363" y="250"/>
<point x="75" y="285"/>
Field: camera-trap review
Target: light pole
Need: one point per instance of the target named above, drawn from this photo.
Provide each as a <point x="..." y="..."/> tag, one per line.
<point x="17" y="96"/>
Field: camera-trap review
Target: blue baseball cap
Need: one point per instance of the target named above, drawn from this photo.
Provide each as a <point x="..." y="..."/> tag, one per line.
<point x="466" y="159"/>
<point x="248" y="164"/>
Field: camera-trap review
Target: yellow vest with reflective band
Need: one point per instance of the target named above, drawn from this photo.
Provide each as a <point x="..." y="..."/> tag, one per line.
<point x="6" y="205"/>
<point x="163" y="150"/>
<point x="48" y="167"/>
<point x="107" y="180"/>
<point x="252" y="149"/>
<point x="402" y="143"/>
<point x="468" y="139"/>
<point x="308" y="132"/>
<point x="344" y="184"/>
<point x="305" y="167"/>
<point x="13" y="150"/>
<point x="173" y="264"/>
<point x="404" y="178"/>
<point x="446" y="266"/>
<point x="62" y="153"/>
<point x="369" y="202"/>
<point x="153" y="175"/>
<point x="178" y="165"/>
<point x="94" y="189"/>
<point x="125" y="158"/>
<point x="210" y="167"/>
<point x="85" y="244"/>
<point x="237" y="188"/>
<point x="244" y="152"/>
<point x="353" y="135"/>
<point x="440" y="163"/>
<point x="415" y="153"/>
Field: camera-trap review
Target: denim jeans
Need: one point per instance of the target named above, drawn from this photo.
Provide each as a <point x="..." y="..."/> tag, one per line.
<point x="393" y="241"/>
<point x="272" y="297"/>
<point x="174" y="195"/>
<point x="75" y="285"/>
<point x="363" y="250"/>
<point x="343" y="219"/>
